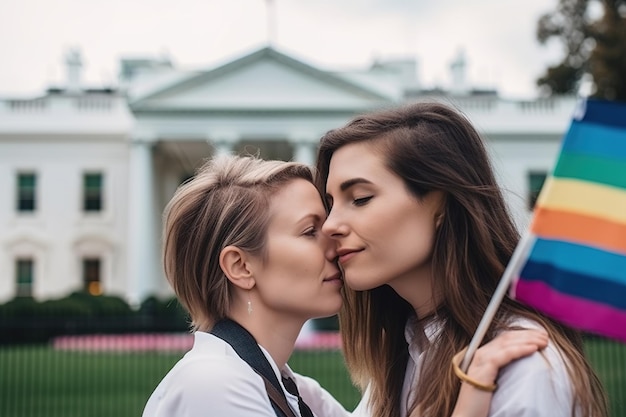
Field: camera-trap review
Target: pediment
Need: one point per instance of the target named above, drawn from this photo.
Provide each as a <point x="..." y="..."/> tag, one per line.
<point x="264" y="80"/>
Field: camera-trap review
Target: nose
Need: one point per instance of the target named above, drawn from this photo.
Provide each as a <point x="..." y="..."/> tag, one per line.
<point x="333" y="226"/>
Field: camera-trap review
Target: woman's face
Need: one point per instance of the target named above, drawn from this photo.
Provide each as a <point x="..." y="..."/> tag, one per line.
<point x="299" y="275"/>
<point x="384" y="234"/>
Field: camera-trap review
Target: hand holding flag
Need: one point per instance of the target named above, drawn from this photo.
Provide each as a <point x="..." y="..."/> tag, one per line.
<point x="576" y="267"/>
<point x="571" y="265"/>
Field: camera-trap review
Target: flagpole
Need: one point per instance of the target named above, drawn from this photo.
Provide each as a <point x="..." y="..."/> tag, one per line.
<point x="271" y="22"/>
<point x="518" y="257"/>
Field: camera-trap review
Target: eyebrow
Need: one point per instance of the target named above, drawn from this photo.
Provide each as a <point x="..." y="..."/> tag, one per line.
<point x="311" y="216"/>
<point x="352" y="182"/>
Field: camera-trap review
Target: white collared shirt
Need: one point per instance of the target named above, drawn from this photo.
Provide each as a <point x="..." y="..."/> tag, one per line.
<point x="212" y="380"/>
<point x="535" y="386"/>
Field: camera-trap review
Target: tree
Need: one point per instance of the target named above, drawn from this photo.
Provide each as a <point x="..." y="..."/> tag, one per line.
<point x="607" y="62"/>
<point x="596" y="46"/>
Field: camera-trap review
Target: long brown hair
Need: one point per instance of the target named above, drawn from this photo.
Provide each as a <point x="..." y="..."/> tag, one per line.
<point x="433" y="147"/>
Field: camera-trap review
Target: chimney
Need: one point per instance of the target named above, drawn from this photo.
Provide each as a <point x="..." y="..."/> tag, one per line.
<point x="73" y="65"/>
<point x="458" y="72"/>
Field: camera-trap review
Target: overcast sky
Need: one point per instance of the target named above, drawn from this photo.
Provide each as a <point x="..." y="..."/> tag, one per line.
<point x="498" y="37"/>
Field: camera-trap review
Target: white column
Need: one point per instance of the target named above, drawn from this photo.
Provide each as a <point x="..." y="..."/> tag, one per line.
<point x="222" y="148"/>
<point x="222" y="142"/>
<point x="305" y="151"/>
<point x="143" y="257"/>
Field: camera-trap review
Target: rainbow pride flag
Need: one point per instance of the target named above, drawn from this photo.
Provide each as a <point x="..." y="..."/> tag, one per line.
<point x="574" y="267"/>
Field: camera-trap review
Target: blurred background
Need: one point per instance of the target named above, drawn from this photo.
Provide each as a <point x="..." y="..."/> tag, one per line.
<point x="106" y="107"/>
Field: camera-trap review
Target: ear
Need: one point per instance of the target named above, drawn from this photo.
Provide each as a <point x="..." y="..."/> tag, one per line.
<point x="440" y="207"/>
<point x="237" y="267"/>
<point x="438" y="219"/>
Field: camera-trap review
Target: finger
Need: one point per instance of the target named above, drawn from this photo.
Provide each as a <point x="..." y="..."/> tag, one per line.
<point x="505" y="348"/>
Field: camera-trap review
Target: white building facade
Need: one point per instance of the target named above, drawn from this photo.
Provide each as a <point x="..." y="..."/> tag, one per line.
<point x="85" y="174"/>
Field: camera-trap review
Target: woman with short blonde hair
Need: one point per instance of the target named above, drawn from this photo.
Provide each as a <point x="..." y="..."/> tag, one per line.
<point x="245" y="254"/>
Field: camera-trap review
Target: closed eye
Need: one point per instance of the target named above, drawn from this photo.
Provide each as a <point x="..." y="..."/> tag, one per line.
<point x="312" y="232"/>
<point x="361" y="201"/>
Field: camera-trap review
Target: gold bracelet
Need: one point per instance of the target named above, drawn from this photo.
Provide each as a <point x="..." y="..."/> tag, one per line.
<point x="456" y="360"/>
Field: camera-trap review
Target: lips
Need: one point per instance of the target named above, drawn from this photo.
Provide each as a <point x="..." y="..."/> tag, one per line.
<point x="346" y="254"/>
<point x="334" y="278"/>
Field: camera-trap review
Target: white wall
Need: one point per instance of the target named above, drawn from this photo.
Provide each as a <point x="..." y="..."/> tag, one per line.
<point x="513" y="158"/>
<point x="59" y="234"/>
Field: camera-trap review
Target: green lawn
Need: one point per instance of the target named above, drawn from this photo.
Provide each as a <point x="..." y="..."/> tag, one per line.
<point x="609" y="361"/>
<point x="38" y="381"/>
<point x="328" y="368"/>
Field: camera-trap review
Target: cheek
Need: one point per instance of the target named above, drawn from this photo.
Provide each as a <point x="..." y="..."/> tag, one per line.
<point x="417" y="236"/>
<point x="397" y="230"/>
<point x="404" y="242"/>
<point x="302" y="264"/>
<point x="377" y="227"/>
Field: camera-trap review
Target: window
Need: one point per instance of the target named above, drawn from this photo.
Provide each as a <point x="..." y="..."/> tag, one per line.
<point x="92" y="192"/>
<point x="26" y="192"/>
<point x="535" y="183"/>
<point x="24" y="277"/>
<point x="91" y="276"/>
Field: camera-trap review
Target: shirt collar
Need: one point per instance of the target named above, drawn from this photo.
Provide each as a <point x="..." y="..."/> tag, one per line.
<point x="285" y="372"/>
<point x="420" y="334"/>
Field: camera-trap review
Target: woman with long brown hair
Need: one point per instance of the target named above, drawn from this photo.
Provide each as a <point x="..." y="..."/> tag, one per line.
<point x="423" y="236"/>
<point x="244" y="252"/>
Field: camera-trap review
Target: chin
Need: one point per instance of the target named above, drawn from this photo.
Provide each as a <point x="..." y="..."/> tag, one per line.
<point x="360" y="284"/>
<point x="330" y="311"/>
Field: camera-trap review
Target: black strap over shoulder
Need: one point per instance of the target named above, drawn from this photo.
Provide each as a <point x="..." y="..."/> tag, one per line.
<point x="247" y="348"/>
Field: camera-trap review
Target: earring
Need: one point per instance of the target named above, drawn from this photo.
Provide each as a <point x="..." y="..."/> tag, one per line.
<point x="249" y="306"/>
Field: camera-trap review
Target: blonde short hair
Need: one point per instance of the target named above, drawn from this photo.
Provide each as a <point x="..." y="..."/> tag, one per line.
<point x="226" y="203"/>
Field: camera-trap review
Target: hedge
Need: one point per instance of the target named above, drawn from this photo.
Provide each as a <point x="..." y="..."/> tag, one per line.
<point x="25" y="320"/>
